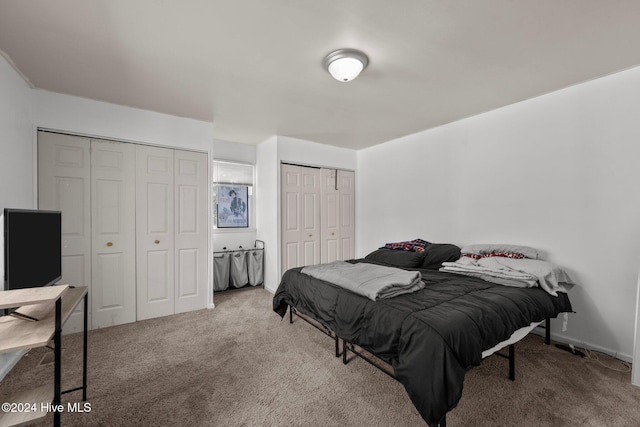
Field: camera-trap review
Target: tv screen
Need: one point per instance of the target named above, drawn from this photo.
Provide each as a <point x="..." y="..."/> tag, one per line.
<point x="32" y="248"/>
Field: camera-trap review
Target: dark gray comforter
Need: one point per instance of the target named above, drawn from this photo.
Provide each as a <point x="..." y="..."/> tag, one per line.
<point x="431" y="337"/>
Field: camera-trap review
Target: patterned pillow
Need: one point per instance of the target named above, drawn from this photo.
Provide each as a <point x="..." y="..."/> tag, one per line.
<point x="415" y="245"/>
<point x="502" y="250"/>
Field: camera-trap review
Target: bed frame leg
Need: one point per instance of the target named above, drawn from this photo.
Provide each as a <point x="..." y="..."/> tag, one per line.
<point x="512" y="362"/>
<point x="337" y="345"/>
<point x="290" y="314"/>
<point x="547" y="331"/>
<point x="441" y="423"/>
<point x="344" y="352"/>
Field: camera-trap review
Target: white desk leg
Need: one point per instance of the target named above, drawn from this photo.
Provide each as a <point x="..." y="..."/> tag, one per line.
<point x="57" y="375"/>
<point x="84" y="348"/>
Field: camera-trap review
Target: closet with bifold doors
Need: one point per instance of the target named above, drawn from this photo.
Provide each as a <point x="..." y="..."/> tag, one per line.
<point x="317" y="214"/>
<point x="134" y="225"/>
<point x="171" y="231"/>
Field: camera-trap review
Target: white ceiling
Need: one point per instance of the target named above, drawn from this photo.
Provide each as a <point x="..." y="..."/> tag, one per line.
<point x="254" y="67"/>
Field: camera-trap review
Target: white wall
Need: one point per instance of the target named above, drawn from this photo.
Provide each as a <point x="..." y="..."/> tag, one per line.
<point x="233" y="151"/>
<point x="310" y="153"/>
<point x="16" y="160"/>
<point x="558" y="172"/>
<point x="16" y="149"/>
<point x="267" y="196"/>
<point x="270" y="154"/>
<point x="101" y="119"/>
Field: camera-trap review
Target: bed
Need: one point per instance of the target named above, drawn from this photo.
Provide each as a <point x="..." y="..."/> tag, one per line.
<point x="430" y="337"/>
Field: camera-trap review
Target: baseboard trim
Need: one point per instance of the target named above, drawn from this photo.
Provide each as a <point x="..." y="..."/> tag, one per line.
<point x="582" y="344"/>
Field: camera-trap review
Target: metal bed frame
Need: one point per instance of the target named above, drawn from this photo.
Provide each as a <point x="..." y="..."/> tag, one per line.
<point x="383" y="366"/>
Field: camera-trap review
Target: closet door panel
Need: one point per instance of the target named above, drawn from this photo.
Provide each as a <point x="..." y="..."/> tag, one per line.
<point x="187" y="269"/>
<point x="290" y="258"/>
<point x="310" y="234"/>
<point x="69" y="195"/>
<point x="331" y="250"/>
<point x="191" y="230"/>
<point x="310" y="216"/>
<point x="111" y="292"/>
<point x="346" y="190"/>
<point x="64" y="184"/>
<point x="291" y="230"/>
<point x="158" y="195"/>
<point x="292" y="207"/>
<point x="154" y="232"/>
<point x="157" y="287"/>
<point x="113" y="233"/>
<point x="187" y="209"/>
<point x="309" y="206"/>
<point x="310" y="253"/>
<point x="300" y="195"/>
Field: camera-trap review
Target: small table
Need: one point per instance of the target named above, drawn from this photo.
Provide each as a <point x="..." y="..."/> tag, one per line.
<point x="51" y="306"/>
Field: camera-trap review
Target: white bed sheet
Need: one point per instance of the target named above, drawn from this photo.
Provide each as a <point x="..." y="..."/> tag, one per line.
<point x="514" y="338"/>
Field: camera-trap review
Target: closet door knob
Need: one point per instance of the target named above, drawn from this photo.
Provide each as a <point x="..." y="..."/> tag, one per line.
<point x="333" y="234"/>
<point x="310" y="235"/>
<point x="109" y="243"/>
<point x="156" y="242"/>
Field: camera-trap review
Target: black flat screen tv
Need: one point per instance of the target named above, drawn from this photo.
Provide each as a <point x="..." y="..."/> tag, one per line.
<point x="32" y="248"/>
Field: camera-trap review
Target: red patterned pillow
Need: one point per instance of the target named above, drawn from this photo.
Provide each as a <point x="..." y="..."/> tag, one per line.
<point x="415" y="245"/>
<point x="478" y="251"/>
<point x="513" y="255"/>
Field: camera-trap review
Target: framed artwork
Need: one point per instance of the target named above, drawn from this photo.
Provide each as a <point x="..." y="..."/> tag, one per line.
<point x="233" y="206"/>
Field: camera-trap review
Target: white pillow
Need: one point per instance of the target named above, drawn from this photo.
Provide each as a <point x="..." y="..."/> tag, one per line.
<point x="550" y="276"/>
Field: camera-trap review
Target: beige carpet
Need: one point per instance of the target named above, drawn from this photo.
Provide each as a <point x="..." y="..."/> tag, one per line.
<point x="239" y="365"/>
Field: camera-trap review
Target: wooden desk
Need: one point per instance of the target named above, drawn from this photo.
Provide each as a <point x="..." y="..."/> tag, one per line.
<point x="52" y="306"/>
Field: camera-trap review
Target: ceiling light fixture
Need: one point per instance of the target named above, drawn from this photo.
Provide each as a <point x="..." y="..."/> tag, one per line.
<point x="346" y="64"/>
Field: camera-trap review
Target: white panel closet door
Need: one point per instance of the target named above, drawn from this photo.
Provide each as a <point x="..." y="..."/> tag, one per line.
<point x="64" y="184"/>
<point x="113" y="265"/>
<point x="191" y="230"/>
<point x="310" y="216"/>
<point x="346" y="192"/>
<point x="330" y="217"/>
<point x="300" y="195"/>
<point x="291" y="227"/>
<point x="154" y="232"/>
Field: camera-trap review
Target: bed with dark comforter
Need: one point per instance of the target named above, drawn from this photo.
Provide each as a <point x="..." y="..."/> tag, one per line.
<point x="431" y="337"/>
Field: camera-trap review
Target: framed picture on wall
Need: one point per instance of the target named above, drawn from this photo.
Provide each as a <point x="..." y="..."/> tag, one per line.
<point x="233" y="206"/>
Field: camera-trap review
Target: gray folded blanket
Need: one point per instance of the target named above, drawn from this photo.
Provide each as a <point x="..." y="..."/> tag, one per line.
<point x="369" y="280"/>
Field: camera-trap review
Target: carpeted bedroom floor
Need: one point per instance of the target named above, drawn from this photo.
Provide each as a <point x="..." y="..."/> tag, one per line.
<point x="239" y="365"/>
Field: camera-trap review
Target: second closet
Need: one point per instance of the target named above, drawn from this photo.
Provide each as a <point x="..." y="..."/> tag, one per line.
<point x="318" y="215"/>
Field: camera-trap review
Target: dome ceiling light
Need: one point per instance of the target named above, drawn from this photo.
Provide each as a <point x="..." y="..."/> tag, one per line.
<point x="346" y="64"/>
